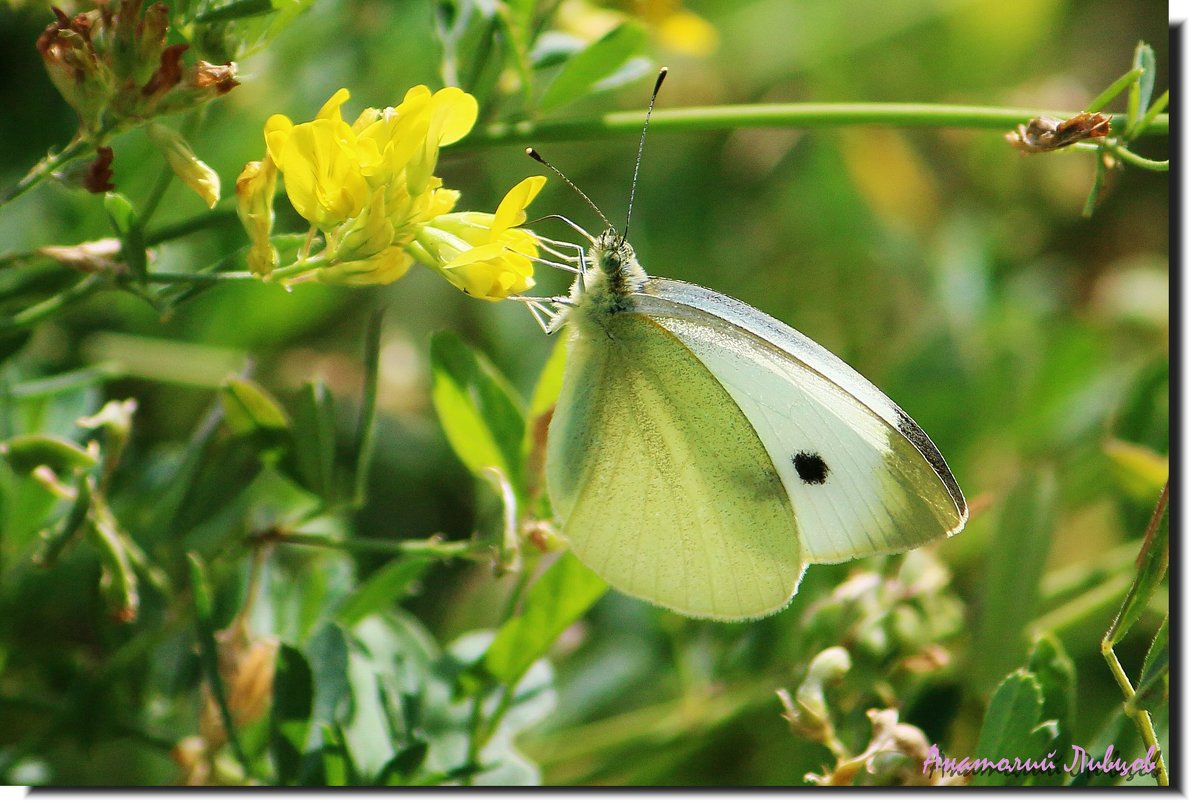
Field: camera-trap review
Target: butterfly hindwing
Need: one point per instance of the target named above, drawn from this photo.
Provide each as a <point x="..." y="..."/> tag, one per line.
<point x="665" y="489"/>
<point x="861" y="476"/>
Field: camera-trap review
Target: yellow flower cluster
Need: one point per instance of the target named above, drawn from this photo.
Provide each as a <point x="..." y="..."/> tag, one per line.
<point x="370" y="188"/>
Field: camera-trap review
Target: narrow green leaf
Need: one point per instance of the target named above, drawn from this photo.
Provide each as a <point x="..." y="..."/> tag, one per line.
<point x="117" y="579"/>
<point x="1152" y="689"/>
<point x="477" y="410"/>
<point x="27" y="452"/>
<point x="381" y="589"/>
<point x="314" y="440"/>
<point x="1013" y="571"/>
<point x="293" y="699"/>
<point x="1010" y="727"/>
<point x="1141" y="91"/>
<point x="1154" y="557"/>
<point x="1114" y="89"/>
<point x="593" y="64"/>
<point x="1156" y="108"/>
<point x="249" y="409"/>
<point x="557" y="599"/>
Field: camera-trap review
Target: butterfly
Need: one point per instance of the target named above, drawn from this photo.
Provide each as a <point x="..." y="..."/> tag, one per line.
<point x="701" y="453"/>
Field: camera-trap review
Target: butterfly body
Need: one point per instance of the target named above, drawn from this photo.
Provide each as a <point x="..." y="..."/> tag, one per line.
<point x="702" y="453"/>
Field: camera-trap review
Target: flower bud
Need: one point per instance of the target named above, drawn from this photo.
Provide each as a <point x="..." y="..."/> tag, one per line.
<point x="194" y="172"/>
<point x="254" y="205"/>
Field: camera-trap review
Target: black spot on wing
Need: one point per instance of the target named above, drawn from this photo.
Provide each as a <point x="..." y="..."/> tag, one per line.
<point x="811" y="467"/>
<point x="918" y="438"/>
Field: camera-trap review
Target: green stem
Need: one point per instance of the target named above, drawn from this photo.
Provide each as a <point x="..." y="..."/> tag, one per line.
<point x="771" y="115"/>
<point x="45" y="168"/>
<point x="1141" y="717"/>
<point x="366" y="425"/>
<point x="201" y="278"/>
<point x="1130" y="157"/>
<point x="432" y="547"/>
<point x="157" y="193"/>
<point x="52" y="305"/>
<point x="181" y="228"/>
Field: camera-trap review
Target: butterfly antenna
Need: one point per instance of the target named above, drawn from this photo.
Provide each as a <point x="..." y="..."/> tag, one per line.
<point x="641" y="149"/>
<point x="536" y="156"/>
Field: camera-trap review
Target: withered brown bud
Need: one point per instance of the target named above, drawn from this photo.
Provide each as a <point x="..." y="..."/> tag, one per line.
<point x="98" y="178"/>
<point x="168" y="73"/>
<point x="1043" y="134"/>
<point x="219" y="77"/>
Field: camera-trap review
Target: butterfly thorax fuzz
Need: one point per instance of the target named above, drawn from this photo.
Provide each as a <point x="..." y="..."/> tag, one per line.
<point x="613" y="274"/>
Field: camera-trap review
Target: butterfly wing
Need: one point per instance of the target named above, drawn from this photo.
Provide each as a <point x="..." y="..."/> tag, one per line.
<point x="664" y="488"/>
<point x="862" y="477"/>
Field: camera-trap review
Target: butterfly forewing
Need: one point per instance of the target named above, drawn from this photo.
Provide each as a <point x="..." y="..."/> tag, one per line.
<point x="665" y="488"/>
<point x="861" y="476"/>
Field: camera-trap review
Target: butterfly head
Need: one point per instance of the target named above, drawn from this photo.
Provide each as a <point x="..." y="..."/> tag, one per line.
<point x="615" y="262"/>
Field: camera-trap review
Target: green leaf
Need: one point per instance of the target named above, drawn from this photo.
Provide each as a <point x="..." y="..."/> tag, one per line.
<point x="26" y="452"/>
<point x="313" y="455"/>
<point x="1013" y="571"/>
<point x="128" y="230"/>
<point x="477" y="410"/>
<point x="1010" y="727"/>
<point x="1152" y="690"/>
<point x="401" y="768"/>
<point x="510" y="532"/>
<point x="1154" y="559"/>
<point x="1141" y="472"/>
<point x="68" y="527"/>
<point x="592" y="65"/>
<point x="1115" y="88"/>
<point x="338" y="768"/>
<point x="382" y="589"/>
<point x="117" y="579"/>
<point x="1055" y="673"/>
<point x="541" y="410"/>
<point x="1141" y="91"/>
<point x="293" y="699"/>
<point x="249" y="409"/>
<point x="237" y="9"/>
<point x="557" y="599"/>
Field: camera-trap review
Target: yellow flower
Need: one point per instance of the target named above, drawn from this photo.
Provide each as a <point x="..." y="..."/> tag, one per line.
<point x="321" y="162"/>
<point x="370" y="188"/>
<point x="254" y="205"/>
<point x="485" y="255"/>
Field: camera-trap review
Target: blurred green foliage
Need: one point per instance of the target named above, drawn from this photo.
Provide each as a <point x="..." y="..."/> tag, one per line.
<point x="226" y="553"/>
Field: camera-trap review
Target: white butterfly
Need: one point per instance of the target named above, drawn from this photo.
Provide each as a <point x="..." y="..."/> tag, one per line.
<point x="702" y="453"/>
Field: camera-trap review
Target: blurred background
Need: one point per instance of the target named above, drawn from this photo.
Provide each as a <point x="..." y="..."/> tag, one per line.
<point x="954" y="272"/>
